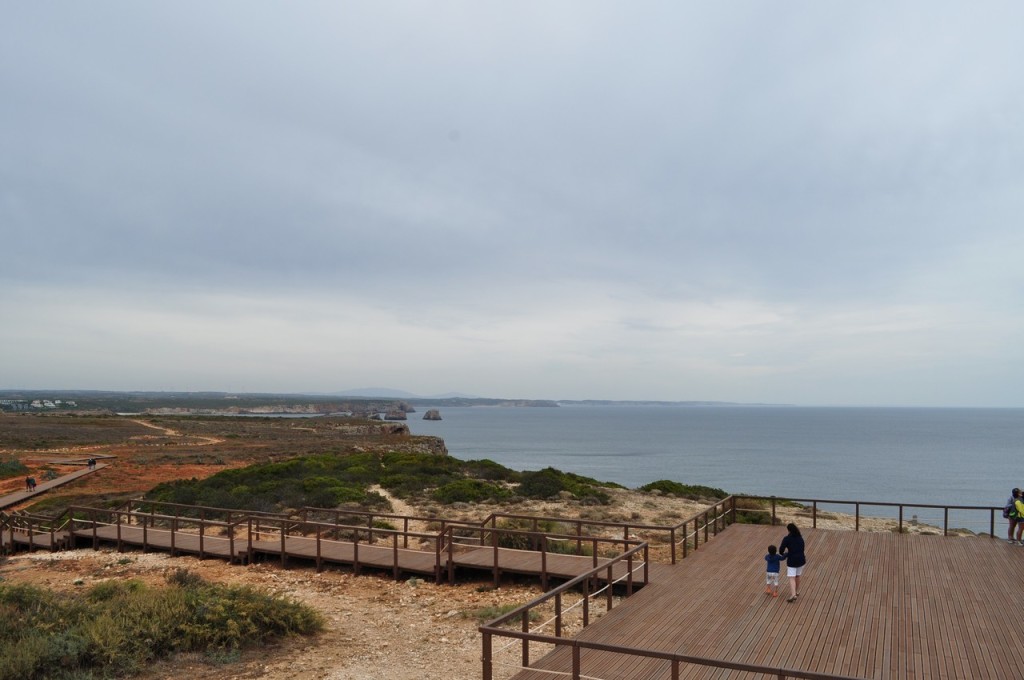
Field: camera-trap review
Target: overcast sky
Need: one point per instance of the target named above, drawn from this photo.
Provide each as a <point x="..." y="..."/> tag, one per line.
<point x="801" y="202"/>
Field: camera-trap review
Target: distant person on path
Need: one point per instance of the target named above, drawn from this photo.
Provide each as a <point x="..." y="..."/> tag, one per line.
<point x="771" y="576"/>
<point x="31" y="481"/>
<point x="28" y="484"/>
<point x="1010" y="514"/>
<point x="792" y="549"/>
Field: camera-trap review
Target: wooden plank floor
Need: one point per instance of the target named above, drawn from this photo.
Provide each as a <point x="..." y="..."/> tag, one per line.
<point x="872" y="605"/>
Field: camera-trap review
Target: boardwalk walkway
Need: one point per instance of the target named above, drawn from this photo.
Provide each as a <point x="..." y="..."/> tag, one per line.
<point x="873" y="605"/>
<point x="17" y="497"/>
<point x="380" y="555"/>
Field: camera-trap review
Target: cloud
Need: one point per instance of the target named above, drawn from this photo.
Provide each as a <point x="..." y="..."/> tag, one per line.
<point x="585" y="200"/>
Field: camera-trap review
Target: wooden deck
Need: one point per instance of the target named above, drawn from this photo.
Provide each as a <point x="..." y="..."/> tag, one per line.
<point x="872" y="605"/>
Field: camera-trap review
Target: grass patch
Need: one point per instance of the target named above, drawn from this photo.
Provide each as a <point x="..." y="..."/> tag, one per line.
<point x="117" y="628"/>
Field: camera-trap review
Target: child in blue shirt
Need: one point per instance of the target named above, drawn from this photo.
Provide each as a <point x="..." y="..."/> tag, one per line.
<point x="771" y="577"/>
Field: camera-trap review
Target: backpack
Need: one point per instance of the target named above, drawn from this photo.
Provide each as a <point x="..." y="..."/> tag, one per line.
<point x="1010" y="510"/>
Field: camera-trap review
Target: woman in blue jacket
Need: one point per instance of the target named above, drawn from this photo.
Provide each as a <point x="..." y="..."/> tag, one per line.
<point x="792" y="548"/>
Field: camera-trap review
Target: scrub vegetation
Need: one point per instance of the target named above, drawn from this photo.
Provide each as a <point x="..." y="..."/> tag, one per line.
<point x="328" y="481"/>
<point x="117" y="627"/>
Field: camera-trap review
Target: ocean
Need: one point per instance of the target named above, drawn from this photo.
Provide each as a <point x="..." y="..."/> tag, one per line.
<point x="948" y="456"/>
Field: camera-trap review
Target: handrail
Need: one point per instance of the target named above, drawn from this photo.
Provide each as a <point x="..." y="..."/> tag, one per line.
<point x="584" y="581"/>
<point x="674" y="659"/>
<point x="814" y="503"/>
<point x="542" y="539"/>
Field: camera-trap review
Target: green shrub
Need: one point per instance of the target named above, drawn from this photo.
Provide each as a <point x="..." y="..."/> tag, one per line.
<point x="118" y="627"/>
<point x="691" y="491"/>
<point x="12" y="468"/>
<point x="550" y="482"/>
<point x="469" y="491"/>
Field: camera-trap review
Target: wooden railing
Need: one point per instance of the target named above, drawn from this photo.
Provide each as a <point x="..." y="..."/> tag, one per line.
<point x="31" y="525"/>
<point x="323" y="533"/>
<point x="371" y="517"/>
<point x="813" y="505"/>
<point x="86" y="521"/>
<point x="672" y="660"/>
<point x="553" y="544"/>
<point x="587" y="583"/>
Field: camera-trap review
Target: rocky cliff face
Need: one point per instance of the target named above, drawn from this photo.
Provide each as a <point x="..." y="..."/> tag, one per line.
<point x="432" y="414"/>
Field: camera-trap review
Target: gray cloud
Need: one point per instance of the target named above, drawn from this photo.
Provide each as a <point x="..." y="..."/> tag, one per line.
<point x="695" y="201"/>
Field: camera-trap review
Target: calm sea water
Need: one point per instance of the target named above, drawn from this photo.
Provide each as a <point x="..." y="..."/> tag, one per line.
<point x="907" y="455"/>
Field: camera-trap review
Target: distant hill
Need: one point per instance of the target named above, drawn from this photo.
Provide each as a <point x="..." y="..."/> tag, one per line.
<point x="389" y="393"/>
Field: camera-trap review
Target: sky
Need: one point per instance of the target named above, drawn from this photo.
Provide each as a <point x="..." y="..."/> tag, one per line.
<point x="806" y="202"/>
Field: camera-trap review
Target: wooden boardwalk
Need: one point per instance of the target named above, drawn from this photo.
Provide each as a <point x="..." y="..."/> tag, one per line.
<point x="42" y="487"/>
<point x="872" y="605"/>
<point x="380" y="555"/>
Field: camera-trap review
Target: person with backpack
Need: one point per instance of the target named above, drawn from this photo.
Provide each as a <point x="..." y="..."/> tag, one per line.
<point x="1010" y="514"/>
<point x="1018" y="514"/>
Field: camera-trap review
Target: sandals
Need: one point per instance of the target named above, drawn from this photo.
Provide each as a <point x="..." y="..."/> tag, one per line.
<point x="792" y="599"/>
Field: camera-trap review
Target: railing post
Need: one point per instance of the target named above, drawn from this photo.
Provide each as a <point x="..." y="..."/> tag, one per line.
<point x="577" y="671"/>
<point x="901" y="519"/>
<point x="487" y="670"/>
<point x="775" y="519"/>
<point x="284" y="544"/>
<point x="586" y="603"/>
<point x="857" y="521"/>
<point x="672" y="537"/>
<point x="814" y="514"/>
<point x="494" y="543"/>
<point x="945" y="521"/>
<point x="992" y="523"/>
<point x="544" y="561"/>
<point x="355" y="554"/>
<point x="174" y="528"/>
<point x="525" y="625"/>
<point x="608" y="590"/>
<point x="629" y="574"/>
<point x="558" y="614"/>
<point x="319" y="565"/>
<point x="395" y="553"/>
<point x="202" y="533"/>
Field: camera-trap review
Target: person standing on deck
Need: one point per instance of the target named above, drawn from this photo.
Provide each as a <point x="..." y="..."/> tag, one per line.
<point x="1018" y="509"/>
<point x="792" y="548"/>
<point x="1010" y="514"/>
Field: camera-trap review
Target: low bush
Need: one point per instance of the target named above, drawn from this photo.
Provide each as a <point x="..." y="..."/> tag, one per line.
<point x="118" y="627"/>
<point x="11" y="467"/>
<point x="470" y="491"/>
<point x="691" y="491"/>
<point x="550" y="482"/>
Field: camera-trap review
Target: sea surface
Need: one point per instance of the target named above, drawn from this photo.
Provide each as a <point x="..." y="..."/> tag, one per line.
<point x="901" y="455"/>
